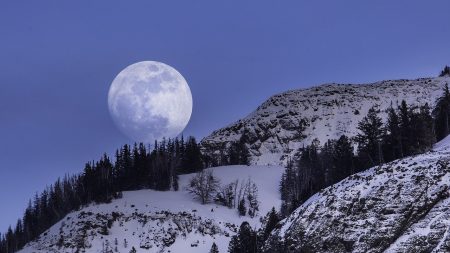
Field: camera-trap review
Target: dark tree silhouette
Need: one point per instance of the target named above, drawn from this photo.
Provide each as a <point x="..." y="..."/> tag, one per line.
<point x="370" y="137"/>
<point x="214" y="248"/>
<point x="445" y="71"/>
<point x="245" y="241"/>
<point x="441" y="115"/>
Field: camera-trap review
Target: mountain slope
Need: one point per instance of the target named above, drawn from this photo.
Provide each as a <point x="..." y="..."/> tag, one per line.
<point x="402" y="206"/>
<point x="154" y="221"/>
<point x="292" y="119"/>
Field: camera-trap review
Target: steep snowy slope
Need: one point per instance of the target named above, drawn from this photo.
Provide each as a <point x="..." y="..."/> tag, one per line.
<point x="153" y="221"/>
<point x="403" y="206"/>
<point x="292" y="119"/>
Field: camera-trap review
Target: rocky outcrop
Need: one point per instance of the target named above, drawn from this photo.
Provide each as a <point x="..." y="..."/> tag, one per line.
<point x="287" y="121"/>
<point x="157" y="230"/>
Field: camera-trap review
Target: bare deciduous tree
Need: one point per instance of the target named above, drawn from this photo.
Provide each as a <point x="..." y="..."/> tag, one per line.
<point x="226" y="194"/>
<point x="203" y="186"/>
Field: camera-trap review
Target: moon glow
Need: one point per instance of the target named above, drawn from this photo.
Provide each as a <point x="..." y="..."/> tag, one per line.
<point x="150" y="100"/>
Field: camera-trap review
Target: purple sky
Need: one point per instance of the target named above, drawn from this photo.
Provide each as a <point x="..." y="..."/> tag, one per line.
<point x="58" y="58"/>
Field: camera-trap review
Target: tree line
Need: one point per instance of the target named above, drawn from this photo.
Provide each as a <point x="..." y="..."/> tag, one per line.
<point x="134" y="168"/>
<point x="408" y="130"/>
<point x="234" y="153"/>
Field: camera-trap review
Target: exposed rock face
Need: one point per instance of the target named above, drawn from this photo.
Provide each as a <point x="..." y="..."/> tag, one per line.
<point x="292" y="119"/>
<point x="158" y="230"/>
<point x="402" y="206"/>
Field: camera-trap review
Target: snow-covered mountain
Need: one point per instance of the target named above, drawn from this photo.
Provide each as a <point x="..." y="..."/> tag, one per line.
<point x="402" y="206"/>
<point x="155" y="221"/>
<point x="287" y="121"/>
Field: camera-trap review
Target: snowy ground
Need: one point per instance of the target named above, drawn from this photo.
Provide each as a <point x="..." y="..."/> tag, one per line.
<point x="147" y="218"/>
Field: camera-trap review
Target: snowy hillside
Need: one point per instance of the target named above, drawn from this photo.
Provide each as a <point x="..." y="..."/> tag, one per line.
<point x="402" y="206"/>
<point x="292" y="119"/>
<point x="153" y="221"/>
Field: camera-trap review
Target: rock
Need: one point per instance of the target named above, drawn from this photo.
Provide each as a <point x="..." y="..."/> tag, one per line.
<point x="290" y="120"/>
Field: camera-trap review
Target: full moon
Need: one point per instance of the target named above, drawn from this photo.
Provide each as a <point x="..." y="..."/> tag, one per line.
<point x="150" y="100"/>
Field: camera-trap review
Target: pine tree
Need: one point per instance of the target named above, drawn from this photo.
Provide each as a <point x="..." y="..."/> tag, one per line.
<point x="272" y="220"/>
<point x="392" y="141"/>
<point x="233" y="154"/>
<point x="238" y="152"/>
<point x="327" y="155"/>
<point x="343" y="159"/>
<point x="422" y="136"/>
<point x="370" y="137"/>
<point x="310" y="173"/>
<point x="175" y="182"/>
<point x="247" y="238"/>
<point x="441" y="115"/>
<point x="302" y="180"/>
<point x="233" y="246"/>
<point x="214" y="248"/>
<point x="445" y="71"/>
<point x="289" y="188"/>
<point x="244" y="154"/>
<point x="242" y="210"/>
<point x="336" y="158"/>
<point x="245" y="241"/>
<point x="192" y="158"/>
<point x="405" y="128"/>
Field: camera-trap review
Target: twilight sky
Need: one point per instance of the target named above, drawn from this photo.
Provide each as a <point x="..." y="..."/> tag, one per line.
<point x="58" y="58"/>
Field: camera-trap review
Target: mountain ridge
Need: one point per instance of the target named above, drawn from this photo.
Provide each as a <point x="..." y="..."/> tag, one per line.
<point x="292" y="119"/>
<point x="273" y="133"/>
